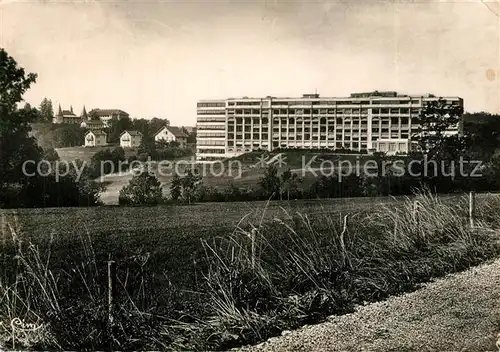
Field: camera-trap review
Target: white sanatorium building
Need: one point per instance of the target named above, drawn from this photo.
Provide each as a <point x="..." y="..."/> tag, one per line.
<point x="375" y="121"/>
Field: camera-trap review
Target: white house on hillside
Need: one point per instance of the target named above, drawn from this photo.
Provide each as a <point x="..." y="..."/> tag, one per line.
<point x="95" y="138"/>
<point x="130" y="139"/>
<point x="171" y="134"/>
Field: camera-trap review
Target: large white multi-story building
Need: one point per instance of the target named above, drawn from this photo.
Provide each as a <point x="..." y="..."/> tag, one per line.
<point x="376" y="121"/>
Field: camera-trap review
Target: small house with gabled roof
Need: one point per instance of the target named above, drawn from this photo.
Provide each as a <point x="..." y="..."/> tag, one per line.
<point x="95" y="138"/>
<point x="172" y="134"/>
<point x="130" y="139"/>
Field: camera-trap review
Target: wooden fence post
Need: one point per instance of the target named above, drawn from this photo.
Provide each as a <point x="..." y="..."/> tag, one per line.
<point x="472" y="207"/>
<point x="111" y="300"/>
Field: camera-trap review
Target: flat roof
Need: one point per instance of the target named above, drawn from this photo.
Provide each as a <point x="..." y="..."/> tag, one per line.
<point x="387" y="95"/>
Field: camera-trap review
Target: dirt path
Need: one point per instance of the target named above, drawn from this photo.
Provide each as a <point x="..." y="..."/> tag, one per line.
<point x="458" y="313"/>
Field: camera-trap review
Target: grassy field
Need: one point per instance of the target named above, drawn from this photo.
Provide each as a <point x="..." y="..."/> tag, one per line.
<point x="214" y="276"/>
<point x="86" y="153"/>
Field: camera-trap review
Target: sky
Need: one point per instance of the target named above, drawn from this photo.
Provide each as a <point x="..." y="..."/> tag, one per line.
<point x="158" y="58"/>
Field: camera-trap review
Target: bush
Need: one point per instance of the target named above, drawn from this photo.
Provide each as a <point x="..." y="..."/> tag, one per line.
<point x="50" y="154"/>
<point x="54" y="191"/>
<point x="112" y="161"/>
<point x="143" y="189"/>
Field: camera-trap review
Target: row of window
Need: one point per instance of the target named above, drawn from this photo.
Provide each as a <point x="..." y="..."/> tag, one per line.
<point x="212" y="119"/>
<point x="247" y="128"/>
<point x="323" y="129"/>
<point x="211" y="134"/>
<point x="337" y="145"/>
<point x="211" y="105"/>
<point x="211" y="112"/>
<point x="339" y="124"/>
<point x="264" y="136"/>
<point x="316" y="136"/>
<point x="318" y="111"/>
<point x="210" y="151"/>
<point x="392" y="146"/>
<point x="210" y="142"/>
<point x="323" y="120"/>
<point x="322" y="102"/>
<point x="208" y="158"/>
<point x="322" y="136"/>
<point x="210" y="127"/>
<point x="246" y="103"/>
<point x="249" y="148"/>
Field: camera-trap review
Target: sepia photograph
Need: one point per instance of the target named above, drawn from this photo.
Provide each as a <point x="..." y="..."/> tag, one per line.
<point x="250" y="175"/>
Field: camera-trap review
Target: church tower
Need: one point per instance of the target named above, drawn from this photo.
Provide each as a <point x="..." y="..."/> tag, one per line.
<point x="84" y="114"/>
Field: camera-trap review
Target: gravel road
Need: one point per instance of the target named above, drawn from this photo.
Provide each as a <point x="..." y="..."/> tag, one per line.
<point x="458" y="313"/>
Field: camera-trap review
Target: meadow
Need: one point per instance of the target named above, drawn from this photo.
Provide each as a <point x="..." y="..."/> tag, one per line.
<point x="244" y="171"/>
<point x="216" y="276"/>
<point x="85" y="153"/>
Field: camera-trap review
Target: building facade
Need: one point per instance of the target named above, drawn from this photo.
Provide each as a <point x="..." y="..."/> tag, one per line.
<point x="373" y="121"/>
<point x="95" y="139"/>
<point x="67" y="116"/>
<point x="172" y="134"/>
<point x="105" y="115"/>
<point x="93" y="124"/>
<point x="130" y="139"/>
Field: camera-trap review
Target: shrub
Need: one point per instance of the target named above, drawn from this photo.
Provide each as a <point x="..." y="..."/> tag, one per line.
<point x="143" y="189"/>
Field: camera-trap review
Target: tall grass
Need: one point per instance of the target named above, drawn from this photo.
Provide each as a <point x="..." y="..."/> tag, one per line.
<point x="245" y="286"/>
<point x="299" y="269"/>
<point x="67" y="301"/>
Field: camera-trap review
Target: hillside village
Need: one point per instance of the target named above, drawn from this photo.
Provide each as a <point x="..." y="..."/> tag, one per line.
<point x="105" y="127"/>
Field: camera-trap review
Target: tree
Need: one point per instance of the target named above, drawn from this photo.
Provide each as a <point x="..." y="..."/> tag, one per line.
<point x="492" y="171"/>
<point x="270" y="181"/>
<point x="141" y="125"/>
<point x="68" y="135"/>
<point x="190" y="183"/>
<point x="50" y="154"/>
<point x="435" y="119"/>
<point x="290" y="184"/>
<point x="147" y="146"/>
<point x="46" y="110"/>
<point x="116" y="127"/>
<point x="176" y="188"/>
<point x="117" y="155"/>
<point x="191" y="139"/>
<point x="483" y="131"/>
<point x="155" y="124"/>
<point x="33" y="113"/>
<point x="111" y="162"/>
<point x="93" y="115"/>
<point x="15" y="144"/>
<point x="143" y="189"/>
<point x="24" y="186"/>
<point x="66" y="190"/>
